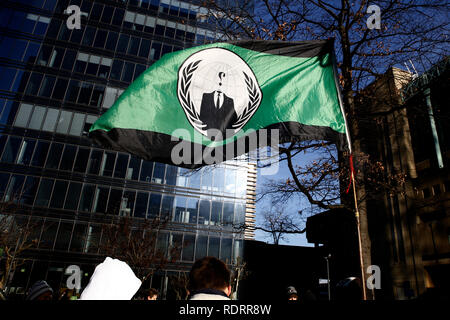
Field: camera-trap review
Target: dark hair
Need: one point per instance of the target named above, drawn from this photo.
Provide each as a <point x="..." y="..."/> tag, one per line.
<point x="153" y="292"/>
<point x="209" y="273"/>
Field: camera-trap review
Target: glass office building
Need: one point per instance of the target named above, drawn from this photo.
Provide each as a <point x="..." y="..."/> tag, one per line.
<point x="54" y="84"/>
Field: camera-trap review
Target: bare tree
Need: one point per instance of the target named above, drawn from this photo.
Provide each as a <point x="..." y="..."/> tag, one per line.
<point x="409" y="30"/>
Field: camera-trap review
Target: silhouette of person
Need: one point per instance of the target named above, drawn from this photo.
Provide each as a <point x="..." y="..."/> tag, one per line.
<point x="217" y="112"/>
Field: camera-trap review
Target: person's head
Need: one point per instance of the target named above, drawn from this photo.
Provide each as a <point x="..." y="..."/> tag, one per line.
<point x="292" y="293"/>
<point x="40" y="291"/>
<point x="209" y="273"/>
<point x="152" y="294"/>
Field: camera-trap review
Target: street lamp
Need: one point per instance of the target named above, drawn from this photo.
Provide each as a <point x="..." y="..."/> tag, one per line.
<point x="328" y="275"/>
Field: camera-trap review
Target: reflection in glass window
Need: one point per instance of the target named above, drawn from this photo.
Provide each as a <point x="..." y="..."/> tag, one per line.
<point x="225" y="250"/>
<point x="54" y="156"/>
<point x="241" y="183"/>
<point x="64" y="235"/>
<point x="78" y="237"/>
<point x="201" y="247"/>
<point x="167" y="207"/>
<point x="26" y="151"/>
<point x="188" y="247"/>
<point x="121" y="166"/>
<point x="154" y="205"/>
<point x="162" y="242"/>
<point x="146" y="171"/>
<point x="23" y="115"/>
<point x="11" y="149"/>
<point x="230" y="181"/>
<point x="45" y="190"/>
<point x="72" y="91"/>
<point x="59" y="194"/>
<point x="29" y="190"/>
<point x="13" y="193"/>
<point x="87" y="197"/>
<point x="115" y="200"/>
<point x="48" y="234"/>
<point x="158" y="173"/>
<point x="60" y="89"/>
<point x="192" y="209"/>
<point x="107" y="166"/>
<point x="141" y="205"/>
<point x="64" y="122"/>
<point x="216" y="213"/>
<point x="123" y="43"/>
<point x="194" y="179"/>
<point x="207" y="175"/>
<point x="219" y="175"/>
<point x="93" y="238"/>
<point x="175" y="244"/>
<point x="182" y="177"/>
<point x="238" y="250"/>
<point x="116" y="69"/>
<point x="228" y="213"/>
<point x="82" y="160"/>
<point x="40" y="154"/>
<point x="171" y="175"/>
<point x="133" y="168"/>
<point x="204" y="212"/>
<point x="68" y="158"/>
<point x="127" y="206"/>
<point x="56" y="57"/>
<point x="88" y="37"/>
<point x="4" y="178"/>
<point x="73" y="195"/>
<point x="95" y="161"/>
<point x="69" y="60"/>
<point x="101" y="198"/>
<point x="134" y="46"/>
<point x="50" y="120"/>
<point x="34" y="84"/>
<point x="112" y="41"/>
<point x="77" y="124"/>
<point x="85" y="93"/>
<point x="181" y="214"/>
<point x="128" y="71"/>
<point x="239" y="213"/>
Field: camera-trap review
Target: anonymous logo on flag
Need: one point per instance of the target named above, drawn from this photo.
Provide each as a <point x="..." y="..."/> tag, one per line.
<point x="218" y="92"/>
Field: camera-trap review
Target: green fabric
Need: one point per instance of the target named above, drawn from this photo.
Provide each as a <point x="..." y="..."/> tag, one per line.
<point x="294" y="89"/>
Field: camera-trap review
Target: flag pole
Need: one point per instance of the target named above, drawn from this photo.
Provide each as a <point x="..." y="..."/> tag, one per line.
<point x="352" y="176"/>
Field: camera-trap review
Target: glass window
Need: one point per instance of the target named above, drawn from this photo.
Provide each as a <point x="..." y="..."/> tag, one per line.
<point x="101" y="199"/>
<point x="44" y="193"/>
<point x="194" y="179"/>
<point x="77" y="124"/>
<point x="166" y="49"/>
<point x="107" y="14"/>
<point x="239" y="214"/>
<point x="115" y="200"/>
<point x="53" y="28"/>
<point x="59" y="194"/>
<point x="69" y="60"/>
<point x="167" y="207"/>
<point x="64" y="235"/>
<point x="181" y="214"/>
<point x="34" y="83"/>
<point x="41" y="26"/>
<point x="105" y="68"/>
<point x="121" y="166"/>
<point x="89" y="122"/>
<point x="118" y="17"/>
<point x="48" y="234"/>
<point x="40" y="154"/>
<point x="97" y="95"/>
<point x="122" y="46"/>
<point x="37" y="118"/>
<point x="7" y="78"/>
<point x="64" y="33"/>
<point x="144" y="50"/>
<point x="82" y="160"/>
<point x="225" y="250"/>
<point x="192" y="209"/>
<point x="182" y="177"/>
<point x="154" y="205"/>
<point x="127" y="205"/>
<point x="214" y="247"/>
<point x="100" y="38"/>
<point x="60" y="89"/>
<point x="158" y="173"/>
<point x="13" y="193"/>
<point x="204" y="212"/>
<point x="73" y="195"/>
<point x="171" y="175"/>
<point x="85" y="93"/>
<point x="141" y="205"/>
<point x="54" y="156"/>
<point x="146" y="171"/>
<point x="188" y="247"/>
<point x="78" y="237"/>
<point x="133" y="168"/>
<point x="96" y="12"/>
<point x="68" y="158"/>
<point x="159" y="30"/>
<point x="11" y="149"/>
<point x="176" y="244"/>
<point x="87" y="197"/>
<point x="72" y="91"/>
<point x="219" y="178"/>
<point x="4" y="178"/>
<point x="155" y="52"/>
<point x="50" y="120"/>
<point x="64" y="122"/>
<point x="107" y="166"/>
<point x="93" y="238"/>
<point x="95" y="161"/>
<point x="112" y="41"/>
<point x="44" y="55"/>
<point x="230" y="181"/>
<point x="56" y="58"/>
<point x="26" y="151"/>
<point x="23" y="115"/>
<point x="128" y="71"/>
<point x="201" y="247"/>
<point x="139" y="69"/>
<point x="9" y="112"/>
<point x="76" y="36"/>
<point x="29" y="190"/>
<point x="162" y="242"/>
<point x="216" y="213"/>
<point x="116" y="69"/>
<point x="228" y="213"/>
<point x="207" y="179"/>
<point x="134" y="46"/>
<point x="92" y="66"/>
<point x="88" y="37"/>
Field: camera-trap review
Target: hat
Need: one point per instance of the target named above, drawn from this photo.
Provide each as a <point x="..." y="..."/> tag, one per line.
<point x="291" y="290"/>
<point x="37" y="289"/>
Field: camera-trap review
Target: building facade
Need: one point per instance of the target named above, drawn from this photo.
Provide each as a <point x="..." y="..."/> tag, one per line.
<point x="54" y="83"/>
<point x="410" y="228"/>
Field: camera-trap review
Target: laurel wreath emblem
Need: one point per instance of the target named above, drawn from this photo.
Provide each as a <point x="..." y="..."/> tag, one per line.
<point x="184" y="95"/>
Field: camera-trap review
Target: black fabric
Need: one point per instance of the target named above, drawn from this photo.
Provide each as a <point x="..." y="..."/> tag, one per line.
<point x="155" y="146"/>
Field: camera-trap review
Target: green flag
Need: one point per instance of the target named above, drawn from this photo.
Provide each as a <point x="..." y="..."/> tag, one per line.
<point x="212" y="99"/>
